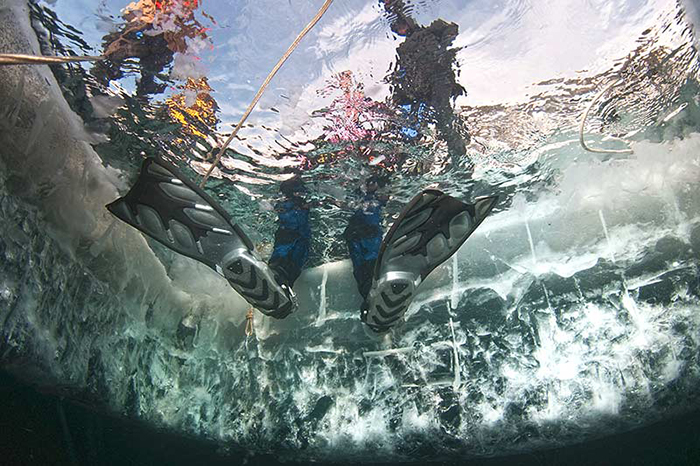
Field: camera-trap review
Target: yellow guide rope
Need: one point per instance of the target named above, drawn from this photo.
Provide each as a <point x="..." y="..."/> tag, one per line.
<point x="22" y="59"/>
<point x="274" y="71"/>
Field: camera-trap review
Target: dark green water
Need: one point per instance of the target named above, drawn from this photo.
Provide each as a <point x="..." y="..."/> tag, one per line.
<point x="40" y="427"/>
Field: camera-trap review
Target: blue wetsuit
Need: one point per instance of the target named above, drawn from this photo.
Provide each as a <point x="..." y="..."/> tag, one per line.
<point x="292" y="239"/>
<point x="363" y="236"/>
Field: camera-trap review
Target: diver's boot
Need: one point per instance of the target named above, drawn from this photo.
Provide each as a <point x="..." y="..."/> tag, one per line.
<point x="428" y="231"/>
<point x="171" y="209"/>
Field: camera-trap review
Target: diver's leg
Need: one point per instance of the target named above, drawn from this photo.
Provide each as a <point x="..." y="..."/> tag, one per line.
<point x="170" y="208"/>
<point x="363" y="241"/>
<point x="446" y="123"/>
<point x="293" y="235"/>
<point x="290" y="252"/>
<point x="428" y="231"/>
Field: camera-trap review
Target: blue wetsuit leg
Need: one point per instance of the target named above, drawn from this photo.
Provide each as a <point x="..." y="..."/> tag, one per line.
<point x="364" y="238"/>
<point x="292" y="240"/>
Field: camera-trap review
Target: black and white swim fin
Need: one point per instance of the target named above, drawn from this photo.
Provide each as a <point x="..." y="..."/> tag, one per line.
<point x="171" y="209"/>
<point x="428" y="231"/>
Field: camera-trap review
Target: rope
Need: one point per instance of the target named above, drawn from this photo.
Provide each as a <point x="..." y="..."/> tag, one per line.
<point x="22" y="59"/>
<point x="585" y="117"/>
<point x="279" y="64"/>
<point x="249" y="328"/>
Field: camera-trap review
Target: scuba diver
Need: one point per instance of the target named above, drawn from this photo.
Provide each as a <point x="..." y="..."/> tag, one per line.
<point x="172" y="209"/>
<point x="388" y="269"/>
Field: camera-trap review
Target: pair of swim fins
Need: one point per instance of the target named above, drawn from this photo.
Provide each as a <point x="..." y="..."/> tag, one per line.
<point x="170" y="208"/>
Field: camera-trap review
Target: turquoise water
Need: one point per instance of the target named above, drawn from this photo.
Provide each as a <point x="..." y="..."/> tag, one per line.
<point x="571" y="313"/>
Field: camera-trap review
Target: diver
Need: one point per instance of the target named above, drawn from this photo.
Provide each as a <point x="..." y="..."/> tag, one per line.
<point x="152" y="32"/>
<point x="172" y="209"/>
<point x="151" y="50"/>
<point x="423" y="80"/>
<point x="388" y="268"/>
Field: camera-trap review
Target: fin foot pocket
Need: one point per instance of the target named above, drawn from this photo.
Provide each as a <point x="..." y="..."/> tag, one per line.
<point x="170" y="208"/>
<point x="255" y="281"/>
<point x="429" y="230"/>
<point x="388" y="300"/>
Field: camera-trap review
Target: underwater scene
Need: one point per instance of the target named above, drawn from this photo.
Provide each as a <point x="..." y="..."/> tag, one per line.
<point x="439" y="230"/>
